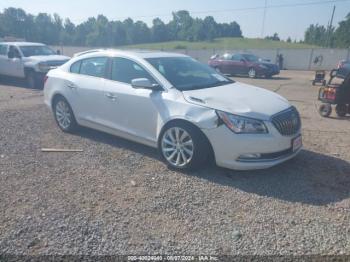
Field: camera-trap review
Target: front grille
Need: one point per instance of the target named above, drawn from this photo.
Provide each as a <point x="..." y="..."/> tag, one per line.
<point x="288" y="122"/>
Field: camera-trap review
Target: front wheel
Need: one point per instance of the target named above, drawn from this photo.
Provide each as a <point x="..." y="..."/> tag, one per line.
<point x="252" y="73"/>
<point x="64" y="115"/>
<point x="183" y="146"/>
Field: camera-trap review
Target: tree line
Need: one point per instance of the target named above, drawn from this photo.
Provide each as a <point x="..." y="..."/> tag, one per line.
<point x="329" y="36"/>
<point x="99" y="31"/>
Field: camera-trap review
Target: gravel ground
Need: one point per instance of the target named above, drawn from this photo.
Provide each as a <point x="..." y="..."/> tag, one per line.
<point x="117" y="197"/>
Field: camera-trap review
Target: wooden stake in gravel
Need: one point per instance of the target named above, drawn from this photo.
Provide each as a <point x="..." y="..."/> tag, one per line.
<point x="60" y="150"/>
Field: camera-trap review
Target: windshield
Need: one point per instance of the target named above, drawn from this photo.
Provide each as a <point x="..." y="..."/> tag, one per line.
<point x="36" y="51"/>
<point x="251" y="58"/>
<point x="185" y="73"/>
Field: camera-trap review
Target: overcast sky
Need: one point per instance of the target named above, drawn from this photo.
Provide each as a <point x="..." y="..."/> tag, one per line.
<point x="286" y="21"/>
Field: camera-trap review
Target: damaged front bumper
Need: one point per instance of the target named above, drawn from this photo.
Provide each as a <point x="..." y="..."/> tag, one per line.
<point x="251" y="151"/>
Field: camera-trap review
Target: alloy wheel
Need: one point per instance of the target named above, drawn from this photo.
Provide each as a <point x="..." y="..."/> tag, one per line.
<point x="177" y="147"/>
<point x="252" y="73"/>
<point x="63" y="115"/>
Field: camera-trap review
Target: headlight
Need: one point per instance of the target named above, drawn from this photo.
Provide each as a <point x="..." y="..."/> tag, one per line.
<point x="43" y="67"/>
<point x="242" y="125"/>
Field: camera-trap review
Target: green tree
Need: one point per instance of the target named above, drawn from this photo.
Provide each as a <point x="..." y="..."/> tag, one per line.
<point x="100" y="31"/>
<point x="275" y="37"/>
<point x="13" y="22"/>
<point x="319" y="35"/>
<point x="183" y="23"/>
<point x="210" y="28"/>
<point x="68" y="33"/>
<point x="342" y="34"/>
<point x="159" y="31"/>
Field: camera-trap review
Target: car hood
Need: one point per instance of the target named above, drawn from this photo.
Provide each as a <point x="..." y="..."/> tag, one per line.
<point x="48" y="58"/>
<point x="241" y="99"/>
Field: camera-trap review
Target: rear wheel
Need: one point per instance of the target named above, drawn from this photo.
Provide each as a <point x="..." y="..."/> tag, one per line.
<point x="252" y="73"/>
<point x="64" y="115"/>
<point x="183" y="146"/>
<point x="325" y="110"/>
<point x="341" y="110"/>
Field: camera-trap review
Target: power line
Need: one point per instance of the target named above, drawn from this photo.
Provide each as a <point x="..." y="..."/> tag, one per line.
<point x="236" y="9"/>
<point x="328" y="41"/>
<point x="243" y="9"/>
<point x="263" y="22"/>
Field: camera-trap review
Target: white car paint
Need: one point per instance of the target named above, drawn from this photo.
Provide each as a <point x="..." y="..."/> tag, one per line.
<point x="240" y="99"/>
<point x="140" y="114"/>
<point x="15" y="67"/>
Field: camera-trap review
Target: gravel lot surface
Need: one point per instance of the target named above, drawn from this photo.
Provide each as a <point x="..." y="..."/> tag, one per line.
<point x="117" y="197"/>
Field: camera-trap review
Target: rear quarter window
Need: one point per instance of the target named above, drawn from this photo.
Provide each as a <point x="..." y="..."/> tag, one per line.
<point x="75" y="68"/>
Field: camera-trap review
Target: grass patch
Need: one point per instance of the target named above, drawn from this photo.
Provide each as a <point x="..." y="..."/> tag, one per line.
<point x="222" y="43"/>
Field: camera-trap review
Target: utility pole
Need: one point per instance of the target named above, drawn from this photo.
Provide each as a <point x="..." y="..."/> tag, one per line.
<point x="330" y="28"/>
<point x="263" y="22"/>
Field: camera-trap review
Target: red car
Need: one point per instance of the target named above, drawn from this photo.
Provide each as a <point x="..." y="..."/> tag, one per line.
<point x="243" y="64"/>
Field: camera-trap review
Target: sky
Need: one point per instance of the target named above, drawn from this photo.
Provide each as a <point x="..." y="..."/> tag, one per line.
<point x="286" y="21"/>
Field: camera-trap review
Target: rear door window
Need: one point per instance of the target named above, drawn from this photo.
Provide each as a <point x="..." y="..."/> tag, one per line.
<point x="95" y="66"/>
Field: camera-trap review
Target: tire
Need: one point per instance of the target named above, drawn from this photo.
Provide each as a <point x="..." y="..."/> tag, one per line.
<point x="325" y="110"/>
<point x="341" y="110"/>
<point x="64" y="115"/>
<point x="252" y="73"/>
<point x="268" y="76"/>
<point x="31" y="80"/>
<point x="183" y="146"/>
<point x="324" y="83"/>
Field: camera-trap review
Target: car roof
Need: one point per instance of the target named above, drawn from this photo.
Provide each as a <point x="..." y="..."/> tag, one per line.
<point x="144" y="54"/>
<point x="23" y="43"/>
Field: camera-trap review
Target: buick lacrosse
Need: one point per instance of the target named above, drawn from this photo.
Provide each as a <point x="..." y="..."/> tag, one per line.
<point x="172" y="102"/>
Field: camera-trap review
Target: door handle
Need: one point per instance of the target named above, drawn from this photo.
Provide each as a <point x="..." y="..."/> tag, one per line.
<point x="111" y="96"/>
<point x="71" y="85"/>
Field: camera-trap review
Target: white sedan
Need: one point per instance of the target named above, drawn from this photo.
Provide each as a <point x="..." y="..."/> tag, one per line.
<point x="176" y="104"/>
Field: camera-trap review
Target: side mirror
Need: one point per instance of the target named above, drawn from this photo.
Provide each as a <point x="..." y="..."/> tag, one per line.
<point x="58" y="52"/>
<point x="144" y="83"/>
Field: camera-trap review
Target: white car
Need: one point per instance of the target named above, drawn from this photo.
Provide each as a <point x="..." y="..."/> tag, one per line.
<point x="174" y="103"/>
<point x="29" y="61"/>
